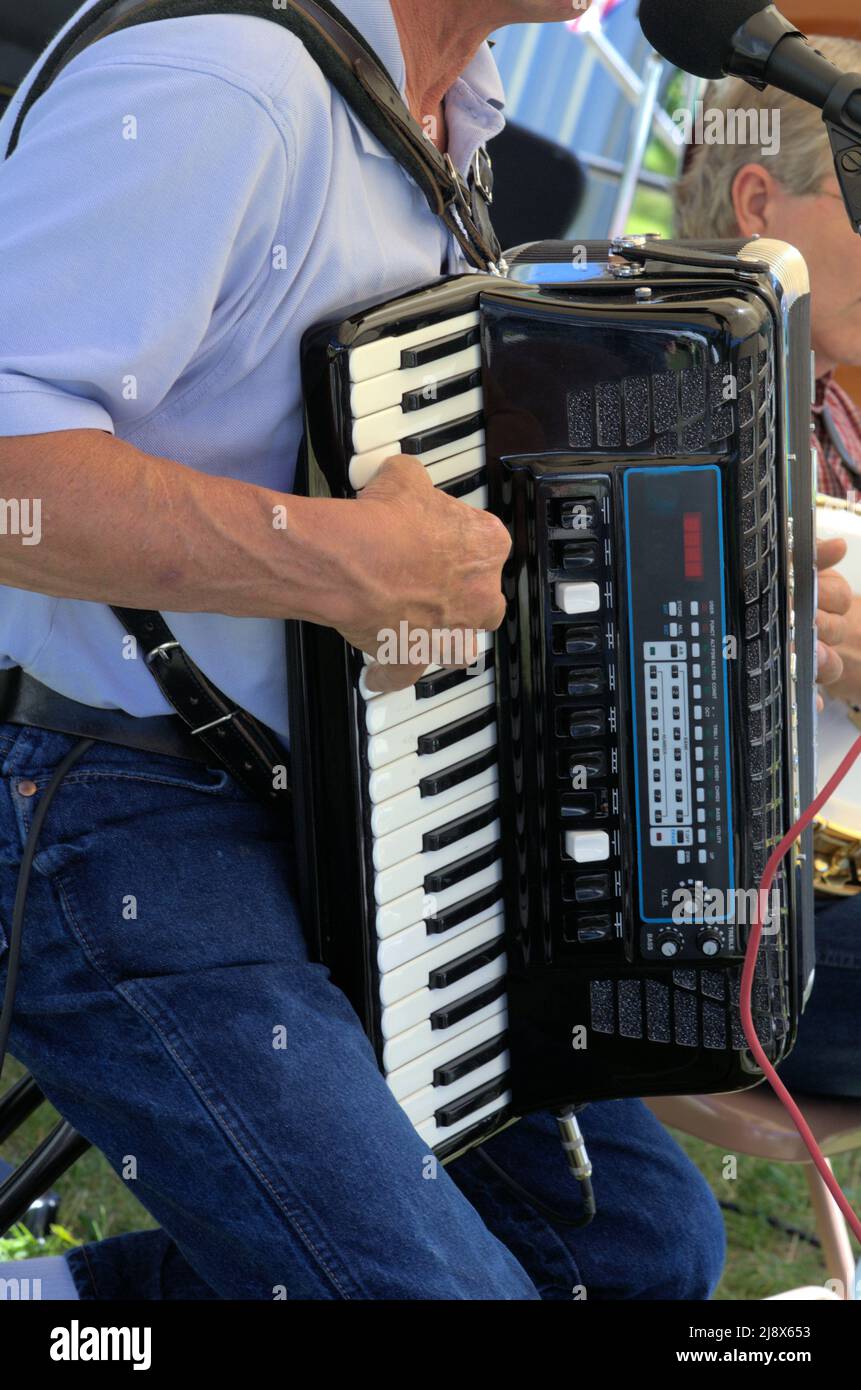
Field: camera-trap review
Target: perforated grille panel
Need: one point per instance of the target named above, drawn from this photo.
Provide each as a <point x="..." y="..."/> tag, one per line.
<point x="667" y="414"/>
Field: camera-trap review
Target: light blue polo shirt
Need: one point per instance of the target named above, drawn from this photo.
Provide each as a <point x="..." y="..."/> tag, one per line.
<point x="184" y="202"/>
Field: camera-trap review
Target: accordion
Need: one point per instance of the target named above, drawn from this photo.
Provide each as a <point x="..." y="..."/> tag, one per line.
<point x="530" y="878"/>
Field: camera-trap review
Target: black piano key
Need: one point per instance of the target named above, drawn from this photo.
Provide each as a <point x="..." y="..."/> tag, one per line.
<point x="438" y="782"/>
<point x="443" y="347"/>
<point x="443" y="435"/>
<point x="469" y="1004"/>
<point x="465" y="484"/>
<point x="460" y="1109"/>
<point x="459" y="828"/>
<point x="434" y="391"/>
<point x="476" y="1057"/>
<point x="439" y="681"/>
<point x="456" y="731"/>
<point x="466" y="965"/>
<point x="462" y="911"/>
<point x="470" y="864"/>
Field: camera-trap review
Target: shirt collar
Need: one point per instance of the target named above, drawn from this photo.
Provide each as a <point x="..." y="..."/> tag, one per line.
<point x="824" y="385"/>
<point x="474" y="104"/>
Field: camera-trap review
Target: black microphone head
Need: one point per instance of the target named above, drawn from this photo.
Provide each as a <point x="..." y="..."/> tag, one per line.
<point x="696" y="35"/>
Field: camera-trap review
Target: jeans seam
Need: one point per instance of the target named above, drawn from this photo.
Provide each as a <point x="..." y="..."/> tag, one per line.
<point x="85" y="776"/>
<point x="200" y="1090"/>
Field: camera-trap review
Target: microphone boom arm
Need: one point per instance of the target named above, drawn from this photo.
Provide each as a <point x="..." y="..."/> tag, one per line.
<point x="844" y="132"/>
<point x="764" y="56"/>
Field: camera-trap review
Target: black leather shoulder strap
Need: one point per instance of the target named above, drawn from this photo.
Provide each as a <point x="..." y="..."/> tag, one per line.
<point x="234" y="738"/>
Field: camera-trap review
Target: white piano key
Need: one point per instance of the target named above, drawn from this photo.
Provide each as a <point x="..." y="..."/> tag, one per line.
<point x="390" y="850"/>
<point x="417" y="1041"/>
<point x="375" y="359"/>
<point x="424" y="1104"/>
<point x="458" y="466"/>
<point x="414" y="976"/>
<point x="478" y="499"/>
<point x="399" y="950"/>
<point x="418" y="906"/>
<point x="410" y="805"/>
<point x="410" y="873"/>
<point x="383" y="392"/>
<point x="385" y="711"/>
<point x="376" y="430"/>
<point x="411" y="1012"/>
<point x="364" y="467"/>
<point x="416" y="1075"/>
<point x="406" y="773"/>
<point x="403" y="739"/>
<point x="434" y="1136"/>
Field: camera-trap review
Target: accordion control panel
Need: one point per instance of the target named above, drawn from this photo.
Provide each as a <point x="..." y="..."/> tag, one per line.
<point x="665" y="581"/>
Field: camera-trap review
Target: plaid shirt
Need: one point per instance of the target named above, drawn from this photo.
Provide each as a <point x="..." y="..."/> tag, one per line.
<point x="837" y="422"/>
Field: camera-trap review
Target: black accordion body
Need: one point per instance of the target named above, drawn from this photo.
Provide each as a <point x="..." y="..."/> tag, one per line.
<point x="527" y="877"/>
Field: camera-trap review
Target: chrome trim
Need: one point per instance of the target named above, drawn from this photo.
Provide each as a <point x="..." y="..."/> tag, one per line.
<point x="790" y="279"/>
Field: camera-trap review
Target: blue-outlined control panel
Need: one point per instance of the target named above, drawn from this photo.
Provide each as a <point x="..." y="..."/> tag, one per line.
<point x="678" y="668"/>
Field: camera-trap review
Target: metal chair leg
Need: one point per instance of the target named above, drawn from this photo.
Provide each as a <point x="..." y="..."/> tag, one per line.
<point x="18" y="1105"/>
<point x="36" y="1174"/>
<point x="831" y="1228"/>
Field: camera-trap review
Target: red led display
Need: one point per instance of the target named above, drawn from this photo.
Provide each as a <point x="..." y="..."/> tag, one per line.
<point x="693" y="543"/>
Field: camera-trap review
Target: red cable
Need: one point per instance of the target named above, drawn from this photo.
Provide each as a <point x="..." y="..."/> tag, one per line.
<point x="754" y="1044"/>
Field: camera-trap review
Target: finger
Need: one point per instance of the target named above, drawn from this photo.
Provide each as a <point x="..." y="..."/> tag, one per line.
<point x="400" y="471"/>
<point x="830" y="552"/>
<point x="834" y="594"/>
<point x="384" y="679"/>
<point x="820" y="704"/>
<point x="496" y="614"/>
<point x="831" y="629"/>
<point x="829" y="667"/>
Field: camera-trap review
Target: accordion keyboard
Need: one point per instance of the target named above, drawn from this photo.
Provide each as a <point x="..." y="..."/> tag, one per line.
<point x="430" y="755"/>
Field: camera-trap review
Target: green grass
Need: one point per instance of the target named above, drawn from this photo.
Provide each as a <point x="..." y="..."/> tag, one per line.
<point x="95" y="1203"/>
<point x="761" y="1261"/>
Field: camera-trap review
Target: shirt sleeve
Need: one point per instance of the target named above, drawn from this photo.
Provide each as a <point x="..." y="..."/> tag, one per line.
<point x="137" y="220"/>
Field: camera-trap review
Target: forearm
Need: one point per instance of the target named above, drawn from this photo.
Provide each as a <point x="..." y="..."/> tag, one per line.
<point x="120" y="526"/>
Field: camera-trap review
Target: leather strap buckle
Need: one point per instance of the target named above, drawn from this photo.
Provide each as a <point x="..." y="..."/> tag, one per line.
<point x="214" y="723"/>
<point x="160" y="652"/>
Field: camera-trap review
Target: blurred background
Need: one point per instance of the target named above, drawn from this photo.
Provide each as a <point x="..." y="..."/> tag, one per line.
<point x="590" y="153"/>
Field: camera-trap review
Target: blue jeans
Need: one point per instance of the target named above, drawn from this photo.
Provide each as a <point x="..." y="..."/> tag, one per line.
<point x="826" y="1060"/>
<point x="164" y="962"/>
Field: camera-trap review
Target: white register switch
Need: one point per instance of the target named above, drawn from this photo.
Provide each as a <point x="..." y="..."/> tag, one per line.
<point x="587" y="846"/>
<point x="578" y="598"/>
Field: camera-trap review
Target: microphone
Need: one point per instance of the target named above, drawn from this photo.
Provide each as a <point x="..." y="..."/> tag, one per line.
<point x="753" y="40"/>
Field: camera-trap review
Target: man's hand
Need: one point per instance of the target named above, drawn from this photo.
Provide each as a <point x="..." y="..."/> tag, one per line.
<point x="430" y="561"/>
<point x="833" y="626"/>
